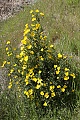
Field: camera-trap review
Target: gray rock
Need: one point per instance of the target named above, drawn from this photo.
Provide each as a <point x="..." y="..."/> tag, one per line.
<point x="8" y="7"/>
<point x="3" y="79"/>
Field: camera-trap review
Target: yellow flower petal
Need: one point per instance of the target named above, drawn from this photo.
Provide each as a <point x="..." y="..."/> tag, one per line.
<point x="66" y="73"/>
<point x="58" y="86"/>
<point x="59" y="55"/>
<point x="55" y="66"/>
<point x="57" y="72"/>
<point x="45" y="104"/>
<point x="51" y="46"/>
<point x="31" y="11"/>
<point x="66" y="69"/>
<point x="66" y="78"/>
<point x="73" y="75"/>
<point x="33" y="19"/>
<point x="46" y="95"/>
<point x="53" y="94"/>
<point x="37" y="10"/>
<point x="42" y="93"/>
<point x="42" y="14"/>
<point x="8" y="42"/>
<point x="63" y="89"/>
<point x="26" y="58"/>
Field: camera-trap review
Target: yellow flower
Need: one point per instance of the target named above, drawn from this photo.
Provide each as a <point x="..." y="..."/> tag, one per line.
<point x="33" y="19"/>
<point x="26" y="25"/>
<point x="17" y="56"/>
<point x="73" y="90"/>
<point x="26" y="58"/>
<point x="26" y="93"/>
<point x="46" y="95"/>
<point x="57" y="77"/>
<point x="22" y="48"/>
<point x="50" y="82"/>
<point x="32" y="15"/>
<point x="40" y="81"/>
<point x="58" y="86"/>
<point x="52" y="87"/>
<point x="8" y="42"/>
<point x="17" y="82"/>
<point x="15" y="65"/>
<point x="31" y="11"/>
<point x="64" y="86"/>
<point x="73" y="75"/>
<point x="29" y="46"/>
<point x="8" y="63"/>
<point x="11" y="71"/>
<point x="58" y="68"/>
<point x="22" y="53"/>
<point x="26" y="31"/>
<point x="44" y="37"/>
<point x="50" y="56"/>
<point x="26" y="79"/>
<point x="24" y="41"/>
<point x="18" y="70"/>
<point x="41" y="37"/>
<point x="66" y="69"/>
<point x="44" y="84"/>
<point x="57" y="72"/>
<point x="32" y="34"/>
<point x="32" y="52"/>
<point x="59" y="55"/>
<point x="27" y="76"/>
<point x="41" y="58"/>
<point x="4" y="62"/>
<point x="39" y="71"/>
<point x="55" y="66"/>
<point x="37" y="26"/>
<point x="42" y="93"/>
<point x="6" y="48"/>
<point x="14" y="49"/>
<point x="32" y="25"/>
<point x="66" y="78"/>
<point x="9" y="54"/>
<point x="45" y="104"/>
<point x="37" y="10"/>
<point x="24" y="67"/>
<point x="34" y="79"/>
<point x="15" y="76"/>
<point x="42" y="14"/>
<point x="66" y="73"/>
<point x="53" y="94"/>
<point x="38" y="86"/>
<point x="21" y="60"/>
<point x="22" y="72"/>
<point x="10" y="85"/>
<point x="51" y="46"/>
<point x="63" y="89"/>
<point x="9" y="74"/>
<point x="30" y="91"/>
<point x="42" y="49"/>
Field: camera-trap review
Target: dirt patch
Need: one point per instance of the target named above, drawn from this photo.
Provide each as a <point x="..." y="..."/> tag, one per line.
<point x="3" y="79"/>
<point x="9" y="7"/>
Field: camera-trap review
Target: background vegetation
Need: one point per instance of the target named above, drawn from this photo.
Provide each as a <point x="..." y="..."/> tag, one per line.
<point x="62" y="26"/>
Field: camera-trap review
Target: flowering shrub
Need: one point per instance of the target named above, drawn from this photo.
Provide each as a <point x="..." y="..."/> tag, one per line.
<point x="44" y="76"/>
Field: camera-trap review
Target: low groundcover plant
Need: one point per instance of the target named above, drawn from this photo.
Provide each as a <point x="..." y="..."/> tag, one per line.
<point x="44" y="76"/>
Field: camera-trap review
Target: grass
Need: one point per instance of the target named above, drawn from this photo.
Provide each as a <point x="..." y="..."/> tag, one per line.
<point x="61" y="23"/>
